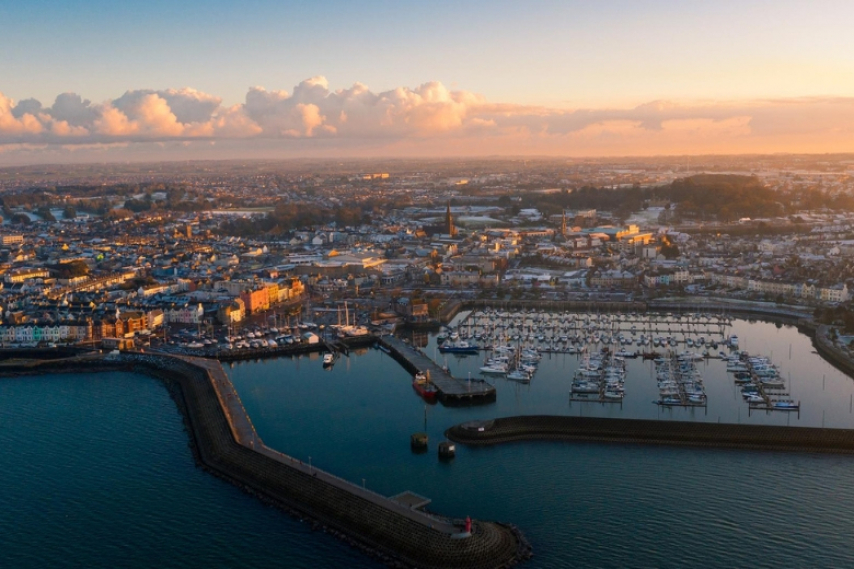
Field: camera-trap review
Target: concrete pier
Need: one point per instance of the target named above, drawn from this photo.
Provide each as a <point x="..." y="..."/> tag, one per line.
<point x="452" y="391"/>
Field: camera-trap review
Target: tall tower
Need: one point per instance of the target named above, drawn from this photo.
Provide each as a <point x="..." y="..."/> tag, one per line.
<point x="563" y="224"/>
<point x="449" y="220"/>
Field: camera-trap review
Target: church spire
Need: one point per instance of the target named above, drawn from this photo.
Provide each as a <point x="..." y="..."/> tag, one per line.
<point x="452" y="231"/>
<point x="563" y="224"/>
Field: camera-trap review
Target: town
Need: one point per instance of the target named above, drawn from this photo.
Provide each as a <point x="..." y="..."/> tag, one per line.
<point x="184" y="256"/>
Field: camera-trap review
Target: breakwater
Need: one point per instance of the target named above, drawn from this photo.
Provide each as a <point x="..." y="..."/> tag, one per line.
<point x="225" y="443"/>
<point x="632" y="431"/>
<point x="831" y="352"/>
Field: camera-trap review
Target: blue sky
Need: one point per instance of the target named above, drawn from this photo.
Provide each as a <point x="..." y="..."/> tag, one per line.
<point x="553" y="55"/>
<point x="523" y="52"/>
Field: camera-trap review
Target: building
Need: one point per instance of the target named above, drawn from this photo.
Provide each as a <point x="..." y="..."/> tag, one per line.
<point x="11" y="239"/>
<point x="184" y="315"/>
<point x="232" y="312"/>
<point x="256" y="299"/>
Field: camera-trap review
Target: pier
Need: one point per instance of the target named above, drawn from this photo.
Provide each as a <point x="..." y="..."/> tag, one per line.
<point x="451" y="390"/>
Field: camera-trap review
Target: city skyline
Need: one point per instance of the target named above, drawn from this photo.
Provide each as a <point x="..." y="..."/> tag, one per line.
<point x="97" y="82"/>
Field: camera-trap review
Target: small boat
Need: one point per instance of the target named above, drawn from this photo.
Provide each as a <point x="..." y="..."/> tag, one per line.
<point x="786" y="405"/>
<point x="458" y="347"/>
<point x="328" y="360"/>
<point x="519" y="375"/>
<point x="584" y="387"/>
<point x="423" y="387"/>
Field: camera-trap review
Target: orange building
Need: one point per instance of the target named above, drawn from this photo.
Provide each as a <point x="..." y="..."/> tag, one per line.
<point x="255" y="300"/>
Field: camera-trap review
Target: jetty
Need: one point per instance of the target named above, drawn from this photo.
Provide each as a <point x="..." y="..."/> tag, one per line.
<point x="452" y="390"/>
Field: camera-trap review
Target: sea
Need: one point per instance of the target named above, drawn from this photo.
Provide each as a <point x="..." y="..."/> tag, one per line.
<point x="96" y="470"/>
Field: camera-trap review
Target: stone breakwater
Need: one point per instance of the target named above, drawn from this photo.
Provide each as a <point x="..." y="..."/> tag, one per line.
<point x="831" y="352"/>
<point x="632" y="431"/>
<point x="224" y="443"/>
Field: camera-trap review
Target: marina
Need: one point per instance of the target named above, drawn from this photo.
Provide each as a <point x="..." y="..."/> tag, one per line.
<point x="566" y="332"/>
<point x="612" y="360"/>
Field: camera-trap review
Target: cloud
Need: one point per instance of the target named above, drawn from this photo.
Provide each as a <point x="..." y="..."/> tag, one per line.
<point x="17" y="124"/>
<point x="318" y="119"/>
<point x="114" y="123"/>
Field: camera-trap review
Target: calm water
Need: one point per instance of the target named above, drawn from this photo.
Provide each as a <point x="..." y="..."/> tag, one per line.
<point x="97" y="473"/>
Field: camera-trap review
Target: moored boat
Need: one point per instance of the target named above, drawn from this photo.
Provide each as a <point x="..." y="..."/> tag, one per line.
<point x="423" y="387"/>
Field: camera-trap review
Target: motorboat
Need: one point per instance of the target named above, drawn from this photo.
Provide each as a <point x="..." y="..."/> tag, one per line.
<point x="519" y="375"/>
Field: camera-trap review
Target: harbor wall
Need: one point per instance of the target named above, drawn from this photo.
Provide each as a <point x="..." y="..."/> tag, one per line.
<point x="640" y="431"/>
<point x="287" y="350"/>
<point x="763" y="310"/>
<point x="388" y="535"/>
<point x="59" y="352"/>
<point x="826" y="348"/>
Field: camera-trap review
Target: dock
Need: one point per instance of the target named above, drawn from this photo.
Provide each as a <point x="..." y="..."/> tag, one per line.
<point x="451" y="390"/>
<point x="774" y="397"/>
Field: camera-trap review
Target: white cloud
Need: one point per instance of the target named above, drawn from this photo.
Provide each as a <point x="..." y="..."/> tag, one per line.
<point x="428" y="115"/>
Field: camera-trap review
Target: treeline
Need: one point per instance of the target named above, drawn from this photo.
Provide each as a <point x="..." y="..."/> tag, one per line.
<point x="287" y="217"/>
<point x="101" y="199"/>
<point x="705" y="197"/>
<point x="842" y="316"/>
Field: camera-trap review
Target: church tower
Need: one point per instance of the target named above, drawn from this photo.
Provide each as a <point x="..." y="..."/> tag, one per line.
<point x="449" y="220"/>
<point x="563" y="224"/>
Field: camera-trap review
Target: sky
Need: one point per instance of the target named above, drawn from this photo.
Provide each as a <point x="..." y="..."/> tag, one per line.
<point x="101" y="81"/>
